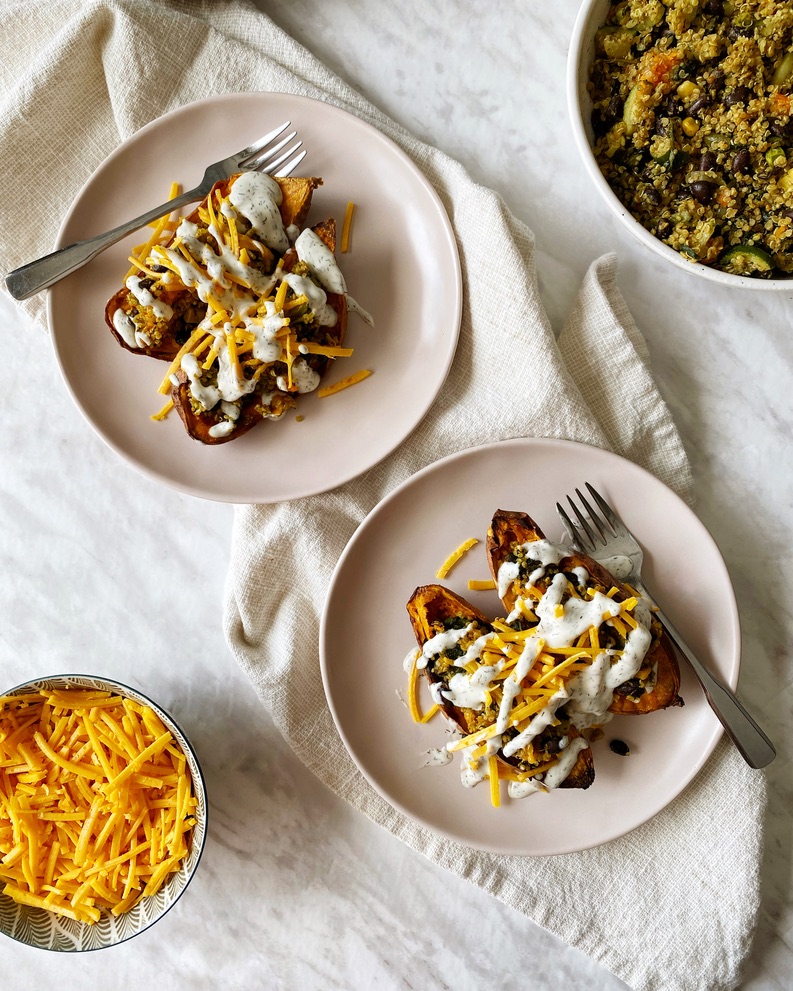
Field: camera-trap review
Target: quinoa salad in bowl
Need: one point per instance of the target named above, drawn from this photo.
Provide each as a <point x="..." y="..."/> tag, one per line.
<point x="691" y="117"/>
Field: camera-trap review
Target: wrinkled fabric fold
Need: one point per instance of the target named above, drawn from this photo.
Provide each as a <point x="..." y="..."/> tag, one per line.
<point x="83" y="76"/>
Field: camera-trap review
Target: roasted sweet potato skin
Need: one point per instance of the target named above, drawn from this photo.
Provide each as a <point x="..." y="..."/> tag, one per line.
<point x="432" y="604"/>
<point x="508" y="528"/>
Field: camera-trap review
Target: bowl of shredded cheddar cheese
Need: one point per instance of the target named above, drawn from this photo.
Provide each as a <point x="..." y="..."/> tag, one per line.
<point x="102" y="813"/>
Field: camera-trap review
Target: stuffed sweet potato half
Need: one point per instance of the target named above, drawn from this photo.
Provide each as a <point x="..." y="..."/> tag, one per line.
<point x="247" y="305"/>
<point x="466" y="660"/>
<point x="155" y="311"/>
<point x="215" y="410"/>
<point x="634" y="669"/>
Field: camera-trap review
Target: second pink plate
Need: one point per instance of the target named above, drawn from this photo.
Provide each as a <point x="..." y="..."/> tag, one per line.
<point x="366" y="634"/>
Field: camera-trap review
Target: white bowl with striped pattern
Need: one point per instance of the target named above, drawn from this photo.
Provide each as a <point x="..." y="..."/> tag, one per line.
<point x="45" y="930"/>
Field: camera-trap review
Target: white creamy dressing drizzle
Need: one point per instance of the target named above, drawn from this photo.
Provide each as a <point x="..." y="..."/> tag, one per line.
<point x="553" y="777"/>
<point x="322" y="264"/>
<point x="130" y="333"/>
<point x="438" y="756"/>
<point x="473" y="770"/>
<point x="355" y="307"/>
<point x="440" y="642"/>
<point x="619" y="565"/>
<point x="321" y="261"/>
<point x="542" y="551"/>
<point x="581" y="574"/>
<point x="304" y="378"/>
<point x="146" y="298"/>
<point x="257" y="197"/>
<point x="586" y="695"/>
<point x="221" y="429"/>
<point x="317" y="299"/>
<point x="410" y="659"/>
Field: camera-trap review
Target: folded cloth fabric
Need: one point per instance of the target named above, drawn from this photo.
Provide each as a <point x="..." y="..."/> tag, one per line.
<point x="113" y="65"/>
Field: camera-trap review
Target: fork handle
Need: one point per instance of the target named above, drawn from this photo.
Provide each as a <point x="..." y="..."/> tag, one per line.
<point x="46" y="271"/>
<point x="755" y="747"/>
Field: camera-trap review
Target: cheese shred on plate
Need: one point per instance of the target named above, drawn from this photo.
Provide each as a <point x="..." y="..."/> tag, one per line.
<point x="347" y="228"/>
<point x="345" y="383"/>
<point x="96" y="802"/>
<point x="455" y="556"/>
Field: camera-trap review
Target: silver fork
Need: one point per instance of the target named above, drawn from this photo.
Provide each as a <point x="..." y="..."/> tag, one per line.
<point x="606" y="538"/>
<point x="264" y="155"/>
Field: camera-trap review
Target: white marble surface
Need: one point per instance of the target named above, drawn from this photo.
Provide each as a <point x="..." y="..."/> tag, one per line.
<point x="104" y="571"/>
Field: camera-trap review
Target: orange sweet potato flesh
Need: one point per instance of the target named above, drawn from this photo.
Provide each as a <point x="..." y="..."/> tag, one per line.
<point x="432" y="604"/>
<point x="296" y="195"/>
<point x="509" y="528"/>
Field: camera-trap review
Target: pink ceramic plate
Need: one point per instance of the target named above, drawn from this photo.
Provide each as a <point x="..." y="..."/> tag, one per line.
<point x="366" y="634"/>
<point x="402" y="267"/>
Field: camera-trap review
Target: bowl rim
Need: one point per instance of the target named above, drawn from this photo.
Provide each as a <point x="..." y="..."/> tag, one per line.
<point x="199" y="786"/>
<point x="577" y="73"/>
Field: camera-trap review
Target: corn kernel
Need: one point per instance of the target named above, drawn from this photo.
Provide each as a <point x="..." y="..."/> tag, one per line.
<point x="690" y="126"/>
<point x="786" y="182"/>
<point x="686" y="89"/>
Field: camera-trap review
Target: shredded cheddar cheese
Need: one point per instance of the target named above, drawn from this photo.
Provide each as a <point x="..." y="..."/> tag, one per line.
<point x="163" y="411"/>
<point x="96" y="802"/>
<point x="492" y="773"/>
<point x="345" y="383"/>
<point x="160" y="226"/>
<point x="455" y="556"/>
<point x="481" y="585"/>
<point x="346" y="229"/>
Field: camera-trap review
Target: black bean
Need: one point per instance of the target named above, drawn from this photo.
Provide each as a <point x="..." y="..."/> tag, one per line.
<point x="714" y="7"/>
<point x="742" y="161"/>
<point x="671" y="107"/>
<point x="600" y="123"/>
<point x="620" y="747"/>
<point x="702" y="190"/>
<point x="741" y="94"/>
<point x="159" y="268"/>
<point x="736" y="31"/>
<point x="781" y="128"/>
<point x="708" y="161"/>
<point x="700" y="104"/>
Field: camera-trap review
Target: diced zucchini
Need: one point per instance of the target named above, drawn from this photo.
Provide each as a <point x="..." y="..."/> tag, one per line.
<point x="746" y="258"/>
<point x="784" y="70"/>
<point x="630" y="112"/>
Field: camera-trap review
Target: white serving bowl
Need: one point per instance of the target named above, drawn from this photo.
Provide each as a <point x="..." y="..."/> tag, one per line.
<point x="591" y="16"/>
<point x="45" y="930"/>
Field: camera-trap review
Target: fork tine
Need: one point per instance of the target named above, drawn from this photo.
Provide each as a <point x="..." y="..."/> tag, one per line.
<point x="572" y="531"/>
<point x="253" y="160"/>
<point x="267" y="163"/>
<point x="616" y="523"/>
<point x="291" y="165"/>
<point x="584" y="524"/>
<point x="602" y="525"/>
<point x="262" y="142"/>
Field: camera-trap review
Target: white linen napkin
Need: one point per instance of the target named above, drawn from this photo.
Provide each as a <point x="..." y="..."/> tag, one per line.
<point x="93" y="72"/>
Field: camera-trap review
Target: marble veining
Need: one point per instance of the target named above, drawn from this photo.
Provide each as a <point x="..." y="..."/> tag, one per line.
<point x="296" y="890"/>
